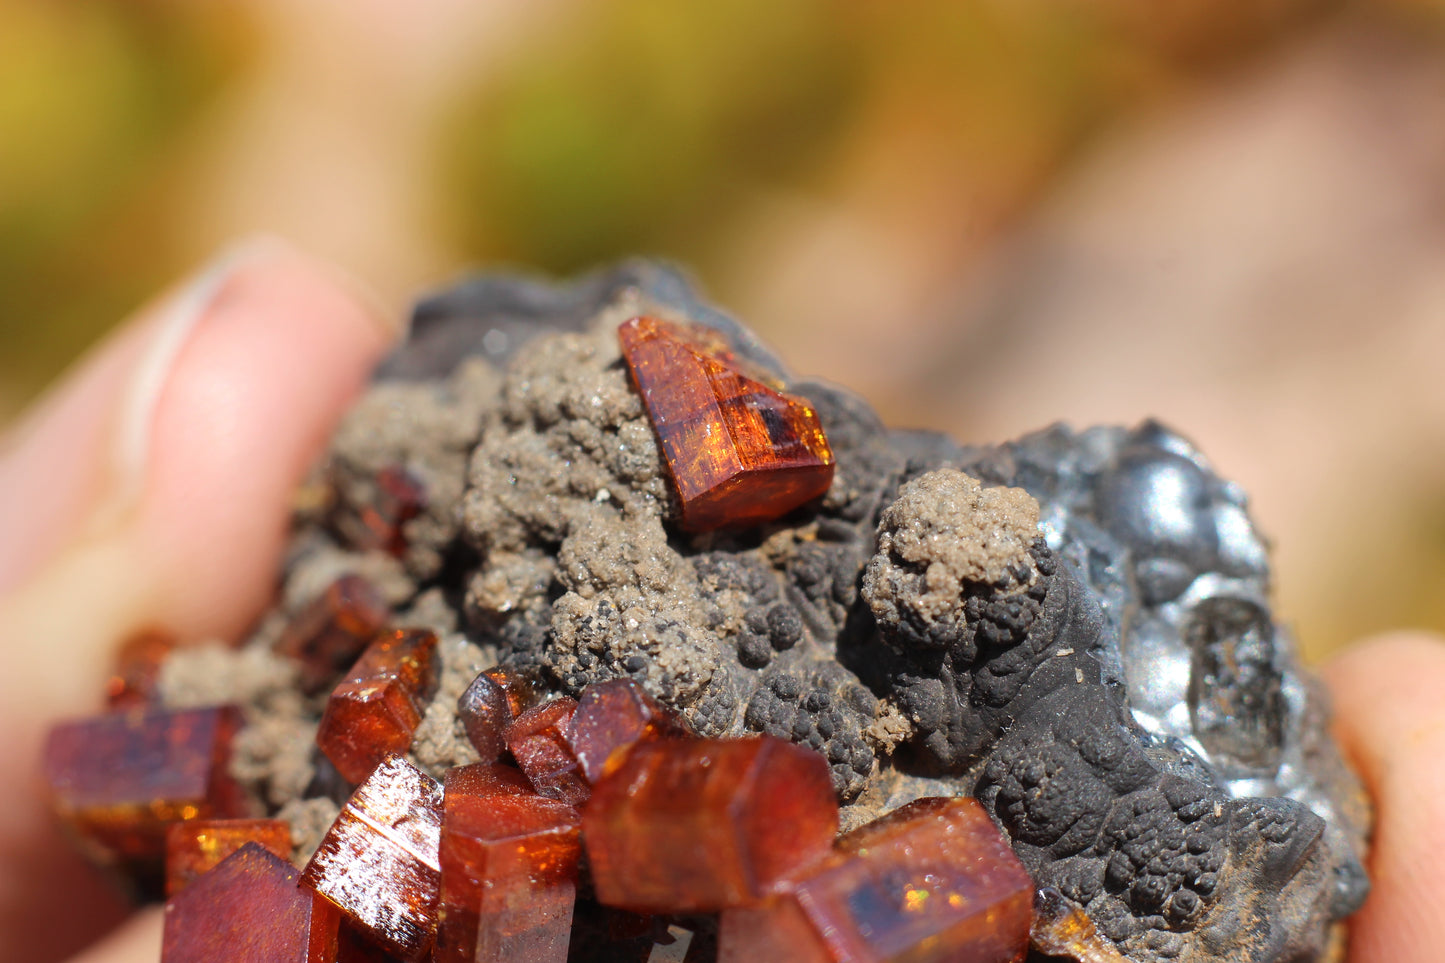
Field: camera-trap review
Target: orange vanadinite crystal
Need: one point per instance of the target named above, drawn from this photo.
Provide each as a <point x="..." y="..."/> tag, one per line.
<point x="399" y="497"/>
<point x="509" y="873"/>
<point x="703" y="824"/>
<point x="494" y="698"/>
<point x="740" y="451"/>
<point x="249" y="908"/>
<point x="930" y="882"/>
<point x="1061" y="928"/>
<point x="375" y="711"/>
<point x="538" y="740"/>
<point x="521" y="693"/>
<point x="197" y="845"/>
<point x="119" y="779"/>
<point x="138" y="669"/>
<point x="378" y="861"/>
<point x="330" y="632"/>
<point x="612" y="716"/>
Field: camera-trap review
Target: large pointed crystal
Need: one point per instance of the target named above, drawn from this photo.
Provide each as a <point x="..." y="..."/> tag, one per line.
<point x="740" y="451"/>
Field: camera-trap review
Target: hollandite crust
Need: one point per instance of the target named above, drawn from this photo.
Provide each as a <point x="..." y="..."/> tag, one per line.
<point x="1074" y="627"/>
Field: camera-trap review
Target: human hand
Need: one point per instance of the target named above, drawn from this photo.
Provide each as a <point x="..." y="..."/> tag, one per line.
<point x="150" y="489"/>
<point x="1390" y="720"/>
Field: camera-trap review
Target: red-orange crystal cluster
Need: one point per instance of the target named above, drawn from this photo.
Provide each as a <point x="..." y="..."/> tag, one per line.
<point x="249" y="908"/>
<point x="198" y="845"/>
<point x="487" y="868"/>
<point x="931" y="882"/>
<point x="374" y="712"/>
<point x="740" y="451"/>
<point x="378" y="863"/>
<point x="118" y="780"/>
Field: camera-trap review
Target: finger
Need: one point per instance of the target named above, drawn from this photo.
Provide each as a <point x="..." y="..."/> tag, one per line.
<point x="185" y="534"/>
<point x="188" y="433"/>
<point x="138" y="940"/>
<point x="1390" y="717"/>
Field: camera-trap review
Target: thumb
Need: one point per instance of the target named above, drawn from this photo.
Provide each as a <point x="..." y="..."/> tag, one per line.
<point x="151" y="490"/>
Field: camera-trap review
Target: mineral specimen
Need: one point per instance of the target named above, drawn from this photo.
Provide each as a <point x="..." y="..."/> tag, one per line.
<point x="697" y="825"/>
<point x="1073" y="628"/>
<point x="740" y="451"/>
<point x="249" y="908"/>
<point x="932" y="881"/>
<point x="378" y="863"/>
<point x="375" y="711"/>
<point x="198" y="845"/>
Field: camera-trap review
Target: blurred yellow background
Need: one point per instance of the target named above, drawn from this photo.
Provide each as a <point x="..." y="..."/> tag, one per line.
<point x="982" y="215"/>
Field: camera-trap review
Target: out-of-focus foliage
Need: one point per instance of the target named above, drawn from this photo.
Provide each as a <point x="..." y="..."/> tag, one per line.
<point x="607" y="127"/>
<point x="93" y="99"/>
<point x="643" y="122"/>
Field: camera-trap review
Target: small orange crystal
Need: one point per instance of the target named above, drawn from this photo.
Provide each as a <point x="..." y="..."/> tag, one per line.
<point x="330" y="632"/>
<point x="1062" y="929"/>
<point x="399" y="497"/>
<point x="197" y="845"/>
<point x="611" y="716"/>
<point x="931" y="882"/>
<point x="378" y="861"/>
<point x="494" y="698"/>
<point x="538" y="740"/>
<point x="137" y="669"/>
<point x="740" y="451"/>
<point x="376" y="710"/>
<point x="118" y="780"/>
<point x="702" y="824"/>
<point x="249" y="908"/>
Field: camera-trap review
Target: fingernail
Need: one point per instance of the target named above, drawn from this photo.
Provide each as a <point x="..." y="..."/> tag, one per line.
<point x="186" y="310"/>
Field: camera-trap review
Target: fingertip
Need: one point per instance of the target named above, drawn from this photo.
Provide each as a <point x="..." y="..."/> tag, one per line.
<point x="1390" y="717"/>
<point x="238" y="379"/>
<point x="251" y="400"/>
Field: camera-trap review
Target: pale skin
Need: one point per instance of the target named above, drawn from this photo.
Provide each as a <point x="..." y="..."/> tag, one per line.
<point x="151" y="487"/>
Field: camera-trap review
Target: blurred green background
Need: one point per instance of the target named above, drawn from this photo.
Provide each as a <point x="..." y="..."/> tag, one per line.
<point x="982" y="215"/>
